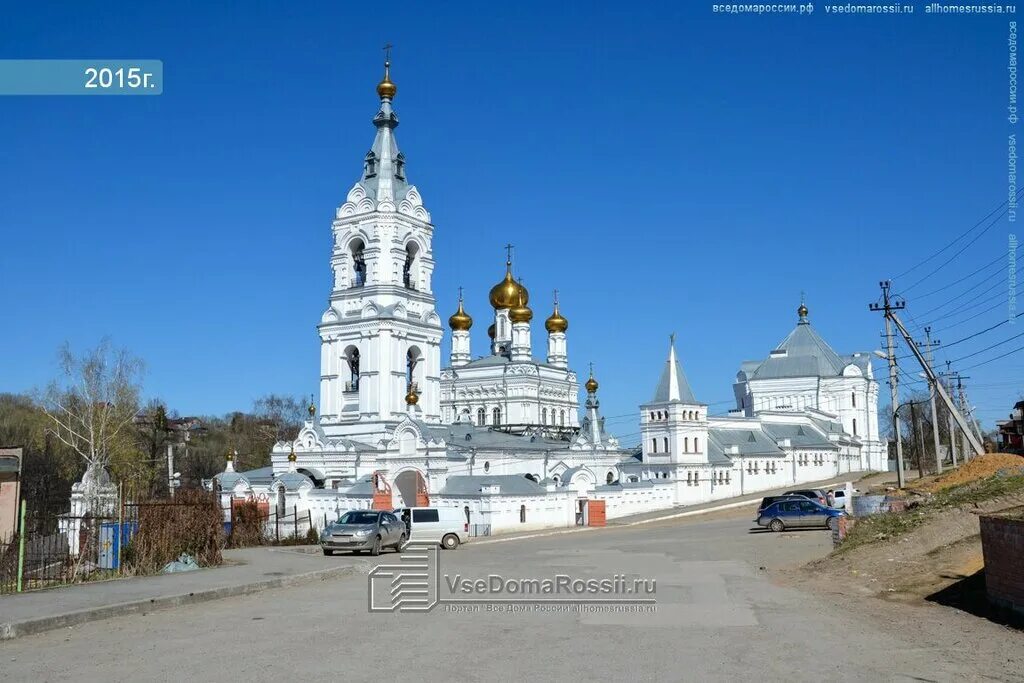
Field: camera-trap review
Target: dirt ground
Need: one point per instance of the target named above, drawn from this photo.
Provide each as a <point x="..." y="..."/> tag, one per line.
<point x="930" y="579"/>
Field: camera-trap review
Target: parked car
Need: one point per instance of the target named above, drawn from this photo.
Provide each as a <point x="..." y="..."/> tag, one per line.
<point x="359" y="530"/>
<point x="837" y="498"/>
<point x="446" y="526"/>
<point x="796" y="514"/>
<point x="818" y="495"/>
<point x="768" y="500"/>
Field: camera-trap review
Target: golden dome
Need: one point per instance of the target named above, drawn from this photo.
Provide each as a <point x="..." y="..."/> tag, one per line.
<point x="491" y="331"/>
<point x="521" y="313"/>
<point x="291" y="456"/>
<point x="411" y="397"/>
<point x="460" y="320"/>
<point x="591" y="384"/>
<point x="312" y="409"/>
<point x="386" y="88"/>
<point x="802" y="311"/>
<point x="505" y="294"/>
<point x="556" y="322"/>
<point x="231" y="456"/>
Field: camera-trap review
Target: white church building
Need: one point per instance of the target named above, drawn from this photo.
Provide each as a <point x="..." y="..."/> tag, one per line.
<point x="501" y="436"/>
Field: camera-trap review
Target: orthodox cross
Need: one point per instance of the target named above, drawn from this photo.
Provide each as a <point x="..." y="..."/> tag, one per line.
<point x="508" y="252"/>
<point x="460" y="295"/>
<point x="387" y="51"/>
<point x="801" y="297"/>
<point x="556" y="297"/>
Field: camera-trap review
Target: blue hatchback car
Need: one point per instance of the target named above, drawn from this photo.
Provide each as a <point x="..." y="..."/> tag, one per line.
<point x="797" y="514"/>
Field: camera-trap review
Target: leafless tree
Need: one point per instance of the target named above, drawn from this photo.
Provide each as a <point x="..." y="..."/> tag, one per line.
<point x="95" y="397"/>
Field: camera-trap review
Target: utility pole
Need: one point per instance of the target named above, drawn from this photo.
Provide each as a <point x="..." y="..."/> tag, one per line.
<point x="928" y="344"/>
<point x="887" y="306"/>
<point x="170" y="469"/>
<point x="961" y="421"/>
<point x="949" y="418"/>
<point x="918" y="439"/>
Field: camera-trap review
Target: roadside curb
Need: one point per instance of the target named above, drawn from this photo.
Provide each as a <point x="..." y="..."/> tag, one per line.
<point x="11" y="630"/>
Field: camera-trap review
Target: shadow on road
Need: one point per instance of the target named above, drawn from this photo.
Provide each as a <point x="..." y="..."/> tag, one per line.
<point x="968" y="595"/>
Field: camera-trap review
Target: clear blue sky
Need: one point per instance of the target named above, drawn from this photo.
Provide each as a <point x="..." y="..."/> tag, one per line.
<point x="668" y="169"/>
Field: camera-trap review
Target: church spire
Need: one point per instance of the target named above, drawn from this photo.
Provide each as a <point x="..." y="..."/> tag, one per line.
<point x="384" y="165"/>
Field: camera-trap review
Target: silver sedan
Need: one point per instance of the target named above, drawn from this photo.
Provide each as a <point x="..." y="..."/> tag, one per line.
<point x="359" y="530"/>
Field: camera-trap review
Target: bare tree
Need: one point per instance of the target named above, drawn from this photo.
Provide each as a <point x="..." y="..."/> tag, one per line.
<point x="93" y="400"/>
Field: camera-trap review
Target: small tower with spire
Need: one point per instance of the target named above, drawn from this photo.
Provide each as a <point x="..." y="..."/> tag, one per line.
<point x="460" y="323"/>
<point x="674" y="424"/>
<point x="505" y="296"/>
<point x="556" y="325"/>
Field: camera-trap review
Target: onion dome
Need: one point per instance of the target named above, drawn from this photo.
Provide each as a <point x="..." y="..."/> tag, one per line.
<point x="556" y="322"/>
<point x="312" y="409"/>
<point x="505" y="294"/>
<point x="802" y="311"/>
<point x="591" y="384"/>
<point x="491" y="331"/>
<point x="411" y="397"/>
<point x="460" y="320"/>
<point x="521" y="313"/>
<point x="231" y="456"/>
<point x="386" y="88"/>
<point x="291" y="456"/>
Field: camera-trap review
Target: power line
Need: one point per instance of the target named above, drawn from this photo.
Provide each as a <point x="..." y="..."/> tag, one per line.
<point x="960" y="237"/>
<point x="1002" y="279"/>
<point x="987" y="329"/>
<point x="987" y="348"/>
<point x="986" y="362"/>
<point x="962" y="250"/>
<point x="965" y="277"/>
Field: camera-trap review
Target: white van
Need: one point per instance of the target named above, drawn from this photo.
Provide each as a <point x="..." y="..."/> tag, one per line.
<point x="446" y="526"/>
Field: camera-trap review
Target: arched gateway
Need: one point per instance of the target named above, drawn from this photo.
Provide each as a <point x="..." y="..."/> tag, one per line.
<point x="410" y="490"/>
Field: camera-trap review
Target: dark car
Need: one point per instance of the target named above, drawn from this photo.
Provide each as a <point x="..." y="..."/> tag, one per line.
<point x="814" y="494"/>
<point x="768" y="500"/>
<point x="796" y="513"/>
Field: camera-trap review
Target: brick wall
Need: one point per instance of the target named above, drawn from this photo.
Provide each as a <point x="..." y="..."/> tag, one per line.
<point x="1002" y="541"/>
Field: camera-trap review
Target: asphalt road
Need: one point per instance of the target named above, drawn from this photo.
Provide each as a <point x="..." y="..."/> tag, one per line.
<point x="721" y="614"/>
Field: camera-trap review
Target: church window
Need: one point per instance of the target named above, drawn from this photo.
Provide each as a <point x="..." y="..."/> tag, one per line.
<point x="352" y="360"/>
<point x="686" y="444"/>
<point x="544" y="416"/>
<point x="370" y="164"/>
<point x="358" y="263"/>
<point x="609" y="478"/>
<point x="481" y="417"/>
<point x="654" y="445"/>
<point x="411" y="263"/>
<point x="561" y="418"/>
<point x="696" y="478"/>
<point x="855" y="426"/>
<point x="666" y="444"/>
<point x="652" y="414"/>
<point x="522" y="514"/>
<point x="689" y="478"/>
<point x="853" y="399"/>
<point x="496" y="416"/>
<point x="487" y="466"/>
<point x="727" y="477"/>
<point x="400" y="166"/>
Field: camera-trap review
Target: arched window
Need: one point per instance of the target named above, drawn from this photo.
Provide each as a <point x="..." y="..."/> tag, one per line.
<point x="855" y="426"/>
<point x="358" y="262"/>
<point x="696" y="445"/>
<point x="487" y="466"/>
<point x="853" y="399"/>
<point x="654" y="445"/>
<point x="496" y="416"/>
<point x="409" y="271"/>
<point x="686" y="444"/>
<point x="609" y="478"/>
<point x="689" y="478"/>
<point x="466" y="511"/>
<point x="652" y="414"/>
<point x="696" y="478"/>
<point x="522" y="514"/>
<point x="561" y="419"/>
<point x="352" y="361"/>
<point x="666" y="444"/>
<point x="370" y="164"/>
<point x="544" y="416"/>
<point x="481" y="417"/>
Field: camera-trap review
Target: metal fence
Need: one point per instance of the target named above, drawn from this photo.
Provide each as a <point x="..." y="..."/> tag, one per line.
<point x="59" y="548"/>
<point x="479" y="529"/>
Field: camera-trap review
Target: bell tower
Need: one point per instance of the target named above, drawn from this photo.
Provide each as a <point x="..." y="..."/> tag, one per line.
<point x="380" y="337"/>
